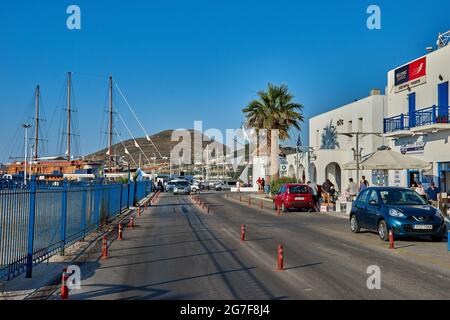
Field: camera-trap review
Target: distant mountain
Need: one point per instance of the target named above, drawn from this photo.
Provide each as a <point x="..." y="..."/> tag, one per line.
<point x="162" y="141"/>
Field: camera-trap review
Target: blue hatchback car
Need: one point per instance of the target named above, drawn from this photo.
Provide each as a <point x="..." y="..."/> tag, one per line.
<point x="401" y="210"/>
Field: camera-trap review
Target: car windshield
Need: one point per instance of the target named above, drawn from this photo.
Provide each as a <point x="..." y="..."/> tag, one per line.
<point x="401" y="197"/>
<point x="298" y="189"/>
<point x="182" y="184"/>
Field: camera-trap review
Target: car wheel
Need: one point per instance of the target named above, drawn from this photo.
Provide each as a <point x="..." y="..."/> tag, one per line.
<point x="437" y="238"/>
<point x="219" y="189"/>
<point x="354" y="225"/>
<point x="383" y="230"/>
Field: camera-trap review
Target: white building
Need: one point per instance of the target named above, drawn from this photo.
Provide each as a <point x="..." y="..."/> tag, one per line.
<point x="417" y="117"/>
<point x="330" y="147"/>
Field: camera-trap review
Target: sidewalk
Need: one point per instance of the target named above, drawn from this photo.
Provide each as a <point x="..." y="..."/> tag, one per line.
<point x="46" y="275"/>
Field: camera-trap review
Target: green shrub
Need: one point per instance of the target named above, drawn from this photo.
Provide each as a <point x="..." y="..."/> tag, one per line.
<point x="276" y="184"/>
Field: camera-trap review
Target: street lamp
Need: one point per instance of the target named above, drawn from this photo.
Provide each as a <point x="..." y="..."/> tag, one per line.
<point x="26" y="126"/>
<point x="358" y="151"/>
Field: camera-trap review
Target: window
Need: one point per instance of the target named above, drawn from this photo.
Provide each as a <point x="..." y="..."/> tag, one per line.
<point x="363" y="196"/>
<point x="298" y="189"/>
<point x="373" y="198"/>
<point x="401" y="197"/>
<point x="360" y="124"/>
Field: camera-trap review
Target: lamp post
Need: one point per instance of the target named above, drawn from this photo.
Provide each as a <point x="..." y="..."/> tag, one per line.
<point x="358" y="151"/>
<point x="26" y="126"/>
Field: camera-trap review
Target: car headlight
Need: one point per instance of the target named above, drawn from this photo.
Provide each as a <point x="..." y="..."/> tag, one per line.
<point x="439" y="214"/>
<point x="395" y="213"/>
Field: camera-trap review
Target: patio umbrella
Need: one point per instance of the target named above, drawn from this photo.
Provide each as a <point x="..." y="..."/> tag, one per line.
<point x="389" y="160"/>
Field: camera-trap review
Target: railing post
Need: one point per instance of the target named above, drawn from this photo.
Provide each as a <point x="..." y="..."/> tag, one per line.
<point x="84" y="211"/>
<point x="121" y="200"/>
<point x="434" y="117"/>
<point x="63" y="217"/>
<point x="402" y="121"/>
<point x="97" y="206"/>
<point x="128" y="199"/>
<point x="31" y="225"/>
<point x="384" y="125"/>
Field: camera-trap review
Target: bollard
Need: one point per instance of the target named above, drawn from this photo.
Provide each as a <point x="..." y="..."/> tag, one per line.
<point x="240" y="198"/>
<point x="64" y="288"/>
<point x="104" y="248"/>
<point x="131" y="222"/>
<point x="249" y="201"/>
<point x="262" y="205"/>
<point x="391" y="239"/>
<point x="280" y="258"/>
<point x="209" y="209"/>
<point x="448" y="240"/>
<point x="243" y="232"/>
<point x="120" y="233"/>
<point x="227" y="195"/>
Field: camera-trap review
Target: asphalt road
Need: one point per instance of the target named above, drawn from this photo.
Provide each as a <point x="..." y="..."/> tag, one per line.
<point x="179" y="251"/>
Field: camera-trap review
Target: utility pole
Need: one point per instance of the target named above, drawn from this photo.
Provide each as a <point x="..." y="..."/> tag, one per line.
<point x="69" y="80"/>
<point x="110" y="122"/>
<point x="37" y="124"/>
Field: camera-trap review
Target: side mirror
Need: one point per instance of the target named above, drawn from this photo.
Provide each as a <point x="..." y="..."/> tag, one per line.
<point x="373" y="202"/>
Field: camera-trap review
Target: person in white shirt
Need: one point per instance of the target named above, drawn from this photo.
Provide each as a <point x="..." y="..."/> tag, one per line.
<point x="352" y="189"/>
<point x="421" y="190"/>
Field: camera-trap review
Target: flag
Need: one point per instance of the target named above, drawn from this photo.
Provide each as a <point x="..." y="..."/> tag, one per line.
<point x="136" y="144"/>
<point x="126" y="151"/>
<point x="107" y="153"/>
<point x="299" y="141"/>
<point x="148" y="138"/>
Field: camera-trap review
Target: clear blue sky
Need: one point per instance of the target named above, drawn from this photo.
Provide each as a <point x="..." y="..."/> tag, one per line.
<point x="180" y="61"/>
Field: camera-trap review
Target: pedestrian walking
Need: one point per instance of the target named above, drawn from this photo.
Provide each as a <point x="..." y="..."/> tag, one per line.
<point x="352" y="190"/>
<point x="433" y="194"/>
<point x="363" y="184"/>
<point x="327" y="187"/>
<point x="421" y="190"/>
<point x="238" y="186"/>
<point x="314" y="192"/>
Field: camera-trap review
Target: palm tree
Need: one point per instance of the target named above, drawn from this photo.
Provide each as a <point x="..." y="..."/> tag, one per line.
<point x="274" y="110"/>
<point x="329" y="137"/>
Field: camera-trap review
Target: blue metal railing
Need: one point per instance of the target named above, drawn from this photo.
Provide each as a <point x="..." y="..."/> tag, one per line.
<point x="422" y="117"/>
<point x="396" y="123"/>
<point x="40" y="220"/>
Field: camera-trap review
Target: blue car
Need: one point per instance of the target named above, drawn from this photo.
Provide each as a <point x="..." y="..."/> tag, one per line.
<point x="401" y="210"/>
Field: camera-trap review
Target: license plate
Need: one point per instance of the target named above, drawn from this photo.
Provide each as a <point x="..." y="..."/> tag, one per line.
<point x="300" y="198"/>
<point x="423" y="227"/>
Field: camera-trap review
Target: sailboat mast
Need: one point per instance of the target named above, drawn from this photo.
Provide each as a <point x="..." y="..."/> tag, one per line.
<point x="37" y="124"/>
<point x="69" y="79"/>
<point x="110" y="121"/>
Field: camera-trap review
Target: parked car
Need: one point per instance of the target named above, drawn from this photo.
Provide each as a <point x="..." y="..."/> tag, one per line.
<point x="225" y="185"/>
<point x="294" y="196"/>
<point x="401" y="210"/>
<point x="169" y="186"/>
<point x="182" y="187"/>
<point x="195" y="187"/>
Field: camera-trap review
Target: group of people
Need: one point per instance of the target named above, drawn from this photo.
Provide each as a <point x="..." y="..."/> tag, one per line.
<point x="353" y="188"/>
<point x="261" y="182"/>
<point x="430" y="194"/>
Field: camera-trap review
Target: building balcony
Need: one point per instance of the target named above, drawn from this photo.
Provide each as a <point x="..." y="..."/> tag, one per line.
<point x="432" y="119"/>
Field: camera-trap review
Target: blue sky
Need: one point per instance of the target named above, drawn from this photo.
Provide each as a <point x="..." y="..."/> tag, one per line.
<point x="181" y="61"/>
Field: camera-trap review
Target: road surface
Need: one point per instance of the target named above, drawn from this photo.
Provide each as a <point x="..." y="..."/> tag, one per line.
<point x="179" y="251"/>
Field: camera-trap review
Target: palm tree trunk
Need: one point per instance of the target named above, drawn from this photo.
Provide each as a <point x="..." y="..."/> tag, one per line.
<point x="274" y="146"/>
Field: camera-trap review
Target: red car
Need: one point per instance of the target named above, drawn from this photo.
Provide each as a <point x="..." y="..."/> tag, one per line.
<point x="294" y="196"/>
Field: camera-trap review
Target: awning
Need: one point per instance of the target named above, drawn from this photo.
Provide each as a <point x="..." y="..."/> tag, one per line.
<point x="389" y="160"/>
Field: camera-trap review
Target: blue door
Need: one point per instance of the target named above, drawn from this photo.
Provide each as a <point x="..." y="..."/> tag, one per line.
<point x="412" y="109"/>
<point x="443" y="102"/>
